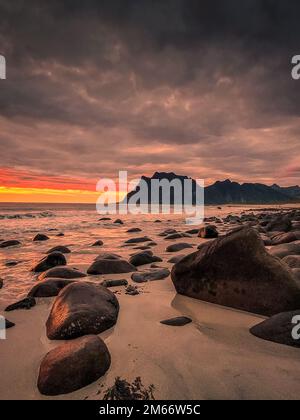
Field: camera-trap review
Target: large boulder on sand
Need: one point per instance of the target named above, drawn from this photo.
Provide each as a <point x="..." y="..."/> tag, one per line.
<point x="237" y="271"/>
<point x="285" y="238"/>
<point x="81" y="309"/>
<point x="142" y="258"/>
<point x="62" y="273"/>
<point x="284" y="250"/>
<point x="110" y="266"/>
<point x="73" y="365"/>
<point x="208" y="232"/>
<point x="280" y="329"/>
<point x="50" y="261"/>
<point x="49" y="288"/>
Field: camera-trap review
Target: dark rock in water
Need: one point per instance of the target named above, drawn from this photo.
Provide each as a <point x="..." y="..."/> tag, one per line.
<point x="177" y="322"/>
<point x="280" y="224"/>
<point x="132" y="290"/>
<point x="80" y="309"/>
<point x="7" y="244"/>
<point x="237" y="271"/>
<point x="143" y="258"/>
<point x="138" y="240"/>
<point x="134" y="230"/>
<point x="178" y="247"/>
<point x="167" y="232"/>
<point x="62" y="273"/>
<point x="26" y="303"/>
<point x="59" y="248"/>
<point x="143" y="247"/>
<point x="98" y="243"/>
<point x="50" y="261"/>
<point x="279" y="329"/>
<point x="107" y="256"/>
<point x="104" y="219"/>
<point x="173" y="236"/>
<point x="73" y="365"/>
<point x="285" y="238"/>
<point x="192" y="232"/>
<point x="40" y="237"/>
<point x="1" y="283"/>
<point x="114" y="283"/>
<point x="143" y="277"/>
<point x="293" y="261"/>
<point x="208" y="232"/>
<point x="176" y="259"/>
<point x="49" y="288"/>
<point x="118" y="222"/>
<point x="110" y="266"/>
<point x="60" y="235"/>
<point x="284" y="250"/>
<point x="12" y="263"/>
<point x="9" y="324"/>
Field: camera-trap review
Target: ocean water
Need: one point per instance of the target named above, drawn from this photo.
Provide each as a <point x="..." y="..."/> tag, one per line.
<point x="81" y="227"/>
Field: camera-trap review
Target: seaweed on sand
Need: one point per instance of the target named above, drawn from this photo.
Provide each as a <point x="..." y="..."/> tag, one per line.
<point x="123" y="390"/>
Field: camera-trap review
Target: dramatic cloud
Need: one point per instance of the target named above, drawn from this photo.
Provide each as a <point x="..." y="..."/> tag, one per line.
<point x="201" y="88"/>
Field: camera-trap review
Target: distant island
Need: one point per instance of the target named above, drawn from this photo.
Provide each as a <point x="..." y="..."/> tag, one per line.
<point x="227" y="192"/>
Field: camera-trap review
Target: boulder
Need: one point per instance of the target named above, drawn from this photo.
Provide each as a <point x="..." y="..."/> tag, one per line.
<point x="179" y="321"/>
<point x="192" y="232"/>
<point x="98" y="243"/>
<point x="138" y="240"/>
<point x="40" y="237"/>
<point x="237" y="271"/>
<point x="60" y="248"/>
<point x="143" y="277"/>
<point x="114" y="283"/>
<point x="52" y="260"/>
<point x="279" y="224"/>
<point x="178" y="247"/>
<point x="107" y="256"/>
<point x="208" y="232"/>
<point x="110" y="266"/>
<point x="142" y="258"/>
<point x="285" y="238"/>
<point x="62" y="273"/>
<point x="176" y="259"/>
<point x="26" y="303"/>
<point x="49" y="288"/>
<point x="134" y="230"/>
<point x="118" y="222"/>
<point x="73" y="365"/>
<point x="279" y="329"/>
<point x="293" y="261"/>
<point x="81" y="309"/>
<point x="7" y="244"/>
<point x="284" y="250"/>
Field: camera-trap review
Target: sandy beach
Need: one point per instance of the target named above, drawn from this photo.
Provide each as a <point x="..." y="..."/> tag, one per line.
<point x="214" y="357"/>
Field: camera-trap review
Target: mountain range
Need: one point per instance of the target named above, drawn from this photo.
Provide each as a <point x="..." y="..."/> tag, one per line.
<point x="224" y="192"/>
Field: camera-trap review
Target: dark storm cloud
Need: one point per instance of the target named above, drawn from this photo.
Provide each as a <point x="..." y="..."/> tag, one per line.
<point x="188" y="85"/>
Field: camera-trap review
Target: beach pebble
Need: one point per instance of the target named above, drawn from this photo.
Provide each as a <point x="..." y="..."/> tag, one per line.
<point x="103" y="219"/>
<point x="134" y="230"/>
<point x="26" y="303"/>
<point x="179" y="321"/>
<point x="132" y="290"/>
<point x="178" y="247"/>
<point x="73" y="365"/>
<point x="50" y="261"/>
<point x="40" y="237"/>
<point x="82" y="308"/>
<point x="118" y="222"/>
<point x="60" y="235"/>
<point x="176" y="259"/>
<point x="62" y="273"/>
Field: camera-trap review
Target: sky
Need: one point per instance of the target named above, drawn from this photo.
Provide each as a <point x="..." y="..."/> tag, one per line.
<point x="199" y="87"/>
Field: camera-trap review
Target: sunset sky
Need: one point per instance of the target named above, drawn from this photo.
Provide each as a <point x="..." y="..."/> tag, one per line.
<point x="198" y="87"/>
